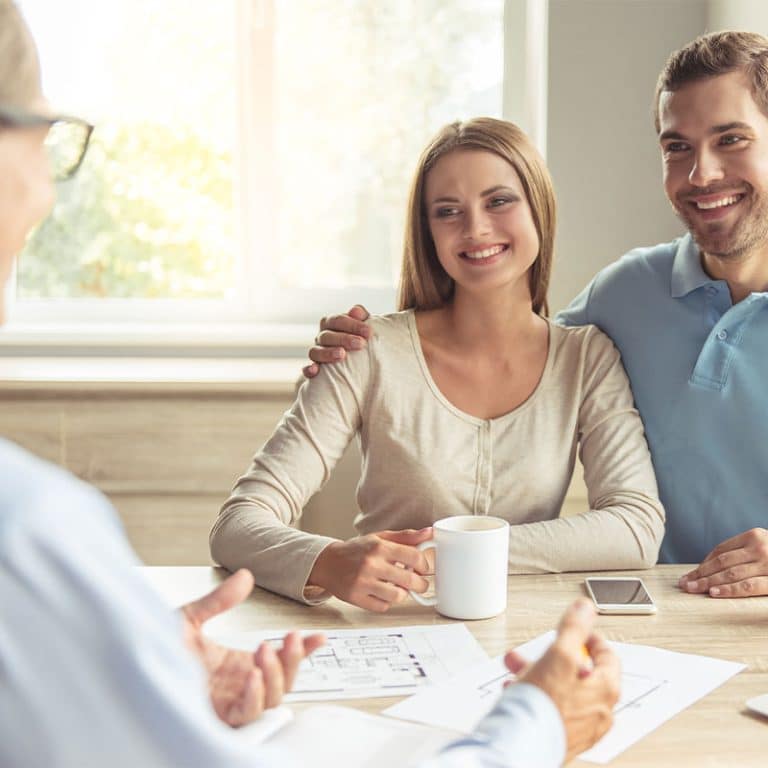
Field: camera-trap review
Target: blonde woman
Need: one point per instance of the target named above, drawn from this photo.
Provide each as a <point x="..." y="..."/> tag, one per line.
<point x="468" y="402"/>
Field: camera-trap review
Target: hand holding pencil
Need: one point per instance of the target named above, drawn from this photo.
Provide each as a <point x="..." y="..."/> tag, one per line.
<point x="580" y="673"/>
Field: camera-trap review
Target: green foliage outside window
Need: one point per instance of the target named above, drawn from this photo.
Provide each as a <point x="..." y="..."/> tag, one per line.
<point x="148" y="215"/>
<point x="356" y="89"/>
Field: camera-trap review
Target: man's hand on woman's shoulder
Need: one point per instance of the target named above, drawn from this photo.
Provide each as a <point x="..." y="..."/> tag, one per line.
<point x="338" y="333"/>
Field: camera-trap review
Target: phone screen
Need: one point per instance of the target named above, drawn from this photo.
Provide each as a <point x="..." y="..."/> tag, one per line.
<point x="620" y="592"/>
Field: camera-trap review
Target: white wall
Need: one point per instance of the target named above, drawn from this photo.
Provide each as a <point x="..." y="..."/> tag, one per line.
<point x="604" y="58"/>
<point x="750" y="15"/>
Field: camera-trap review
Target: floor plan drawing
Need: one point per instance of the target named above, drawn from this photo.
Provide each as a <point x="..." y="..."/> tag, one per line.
<point x="655" y="685"/>
<point x="363" y="663"/>
<point x="634" y="688"/>
<point x="392" y="660"/>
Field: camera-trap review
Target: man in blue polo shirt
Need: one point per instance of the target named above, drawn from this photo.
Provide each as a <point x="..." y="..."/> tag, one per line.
<point x="691" y="317"/>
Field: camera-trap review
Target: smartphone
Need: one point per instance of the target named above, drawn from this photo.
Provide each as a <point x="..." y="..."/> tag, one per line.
<point x="620" y="594"/>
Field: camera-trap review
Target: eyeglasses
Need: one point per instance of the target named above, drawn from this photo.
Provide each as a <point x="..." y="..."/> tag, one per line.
<point x="66" y="141"/>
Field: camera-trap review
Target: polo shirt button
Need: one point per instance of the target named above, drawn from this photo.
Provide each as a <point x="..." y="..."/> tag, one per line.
<point x="711" y="290"/>
<point x="722" y="335"/>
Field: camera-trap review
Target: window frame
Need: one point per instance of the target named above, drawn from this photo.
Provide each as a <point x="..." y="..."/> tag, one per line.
<point x="258" y="319"/>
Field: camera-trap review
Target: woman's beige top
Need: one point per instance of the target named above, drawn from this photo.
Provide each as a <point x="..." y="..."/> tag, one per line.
<point x="424" y="459"/>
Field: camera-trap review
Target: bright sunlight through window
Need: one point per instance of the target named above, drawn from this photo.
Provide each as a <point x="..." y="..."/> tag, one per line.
<point x="252" y="155"/>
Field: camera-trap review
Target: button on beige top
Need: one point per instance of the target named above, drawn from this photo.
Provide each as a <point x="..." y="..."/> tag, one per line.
<point x="424" y="459"/>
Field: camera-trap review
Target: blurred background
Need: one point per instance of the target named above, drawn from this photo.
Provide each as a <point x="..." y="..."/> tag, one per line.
<point x="248" y="174"/>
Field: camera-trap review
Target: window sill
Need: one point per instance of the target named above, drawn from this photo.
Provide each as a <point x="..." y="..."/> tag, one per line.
<point x="77" y="375"/>
<point x="155" y="340"/>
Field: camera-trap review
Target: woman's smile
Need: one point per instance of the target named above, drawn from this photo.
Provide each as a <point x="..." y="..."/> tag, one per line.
<point x="484" y="254"/>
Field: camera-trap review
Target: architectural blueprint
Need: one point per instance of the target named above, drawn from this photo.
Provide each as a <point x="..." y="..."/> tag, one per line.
<point x="656" y="684"/>
<point x="366" y="663"/>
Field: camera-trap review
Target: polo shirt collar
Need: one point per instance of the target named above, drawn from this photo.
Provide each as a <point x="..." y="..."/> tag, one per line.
<point x="687" y="272"/>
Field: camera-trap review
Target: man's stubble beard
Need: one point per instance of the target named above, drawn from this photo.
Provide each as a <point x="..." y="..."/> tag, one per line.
<point x="747" y="234"/>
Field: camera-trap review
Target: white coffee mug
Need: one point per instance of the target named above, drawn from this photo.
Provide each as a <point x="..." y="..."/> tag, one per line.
<point x="471" y="554"/>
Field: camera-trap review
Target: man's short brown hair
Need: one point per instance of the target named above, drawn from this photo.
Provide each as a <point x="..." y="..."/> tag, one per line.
<point x="717" y="53"/>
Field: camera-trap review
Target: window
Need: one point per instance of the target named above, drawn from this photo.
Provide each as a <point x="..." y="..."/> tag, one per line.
<point x="251" y="158"/>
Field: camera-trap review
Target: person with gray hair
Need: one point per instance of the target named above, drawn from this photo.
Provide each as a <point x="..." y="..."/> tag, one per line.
<point x="94" y="668"/>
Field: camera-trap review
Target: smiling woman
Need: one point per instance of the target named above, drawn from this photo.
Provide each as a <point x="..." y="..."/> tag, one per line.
<point x="502" y="154"/>
<point x="467" y="401"/>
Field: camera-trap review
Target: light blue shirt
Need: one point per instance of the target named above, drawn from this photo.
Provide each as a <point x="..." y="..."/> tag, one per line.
<point x="698" y="366"/>
<point x="93" y="671"/>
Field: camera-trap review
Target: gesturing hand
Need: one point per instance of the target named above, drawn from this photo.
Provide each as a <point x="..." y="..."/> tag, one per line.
<point x="585" y="697"/>
<point x="373" y="571"/>
<point x="242" y="684"/>
<point x="736" y="568"/>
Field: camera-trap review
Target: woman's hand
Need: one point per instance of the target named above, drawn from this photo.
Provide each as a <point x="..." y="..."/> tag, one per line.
<point x="374" y="571"/>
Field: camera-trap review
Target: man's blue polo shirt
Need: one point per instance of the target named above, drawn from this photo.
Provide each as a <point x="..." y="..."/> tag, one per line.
<point x="698" y="365"/>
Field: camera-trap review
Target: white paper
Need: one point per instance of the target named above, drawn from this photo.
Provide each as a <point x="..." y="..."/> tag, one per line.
<point x="326" y="736"/>
<point x="656" y="685"/>
<point x="683" y="679"/>
<point x="269" y="722"/>
<point x="368" y="663"/>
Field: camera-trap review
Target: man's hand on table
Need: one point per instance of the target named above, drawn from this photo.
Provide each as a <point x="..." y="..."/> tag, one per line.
<point x="338" y="333"/>
<point x="374" y="571"/>
<point x="242" y="684"/>
<point x="736" y="568"/>
<point x="584" y="696"/>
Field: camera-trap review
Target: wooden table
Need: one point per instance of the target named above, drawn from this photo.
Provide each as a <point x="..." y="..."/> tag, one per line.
<point x="716" y="731"/>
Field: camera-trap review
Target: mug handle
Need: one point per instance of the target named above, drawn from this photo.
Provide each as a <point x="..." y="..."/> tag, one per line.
<point x="415" y="595"/>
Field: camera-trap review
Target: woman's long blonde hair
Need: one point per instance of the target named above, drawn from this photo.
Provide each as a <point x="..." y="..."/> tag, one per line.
<point x="424" y="284"/>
